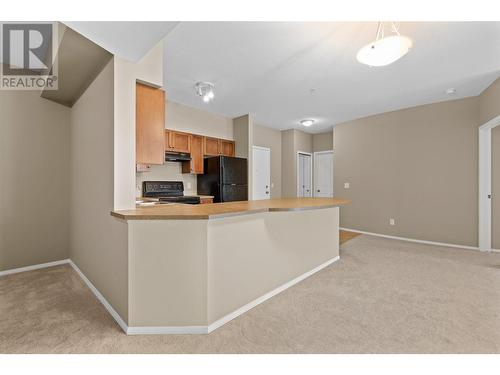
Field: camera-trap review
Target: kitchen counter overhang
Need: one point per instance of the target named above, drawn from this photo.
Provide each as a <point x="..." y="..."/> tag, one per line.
<point x="227" y="209"/>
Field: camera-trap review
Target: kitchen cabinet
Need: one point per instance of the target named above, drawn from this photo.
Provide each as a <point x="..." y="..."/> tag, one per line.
<point x="211" y="146"/>
<point x="226" y="147"/>
<point x="177" y="141"/>
<point x="150" y="125"/>
<point x="195" y="165"/>
<point x="206" y="200"/>
<point x="216" y="147"/>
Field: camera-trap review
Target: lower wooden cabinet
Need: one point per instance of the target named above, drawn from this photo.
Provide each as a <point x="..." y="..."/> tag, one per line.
<point x="206" y="200"/>
<point x="195" y="165"/>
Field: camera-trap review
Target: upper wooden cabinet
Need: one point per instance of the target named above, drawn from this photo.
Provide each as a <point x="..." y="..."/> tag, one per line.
<point x="216" y="146"/>
<point x="211" y="146"/>
<point x="177" y="141"/>
<point x="226" y="147"/>
<point x="149" y="125"/>
<point x="195" y="165"/>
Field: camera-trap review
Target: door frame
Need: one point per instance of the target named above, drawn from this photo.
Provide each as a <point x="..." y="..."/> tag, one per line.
<point x="253" y="164"/>
<point x="485" y="164"/>
<point x="298" y="170"/>
<point x="314" y="166"/>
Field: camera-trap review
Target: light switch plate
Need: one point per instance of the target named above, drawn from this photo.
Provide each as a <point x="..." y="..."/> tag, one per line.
<point x="346" y="185"/>
<point x="188" y="185"/>
<point x="392" y="221"/>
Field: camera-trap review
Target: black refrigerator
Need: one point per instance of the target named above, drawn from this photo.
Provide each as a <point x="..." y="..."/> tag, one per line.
<point x="224" y="177"/>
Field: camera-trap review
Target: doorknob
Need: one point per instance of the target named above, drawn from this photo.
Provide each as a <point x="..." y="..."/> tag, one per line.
<point x="318" y="190"/>
<point x="267" y="192"/>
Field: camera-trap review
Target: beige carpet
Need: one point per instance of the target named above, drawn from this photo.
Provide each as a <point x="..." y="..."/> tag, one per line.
<point x="383" y="296"/>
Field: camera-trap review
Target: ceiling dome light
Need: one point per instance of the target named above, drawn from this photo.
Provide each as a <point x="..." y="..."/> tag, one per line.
<point x="385" y="50"/>
<point x="307" y="122"/>
<point x="205" y="90"/>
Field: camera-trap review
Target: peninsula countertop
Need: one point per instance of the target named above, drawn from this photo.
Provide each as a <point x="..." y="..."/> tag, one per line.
<point x="218" y="210"/>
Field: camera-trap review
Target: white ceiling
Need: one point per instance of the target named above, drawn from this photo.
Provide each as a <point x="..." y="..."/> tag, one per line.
<point x="268" y="68"/>
<point x="129" y="39"/>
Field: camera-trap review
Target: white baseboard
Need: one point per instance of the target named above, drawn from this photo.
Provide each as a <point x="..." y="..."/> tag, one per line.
<point x="220" y="322"/>
<point x="100" y="297"/>
<point x="186" y="330"/>
<point x="415" y="240"/>
<point x="173" y="330"/>
<point x="35" y="267"/>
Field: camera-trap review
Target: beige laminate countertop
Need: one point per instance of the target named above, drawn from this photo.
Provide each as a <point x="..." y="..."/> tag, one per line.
<point x="217" y="210"/>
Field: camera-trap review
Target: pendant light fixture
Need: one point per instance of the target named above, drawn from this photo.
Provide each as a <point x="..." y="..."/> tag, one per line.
<point x="385" y="49"/>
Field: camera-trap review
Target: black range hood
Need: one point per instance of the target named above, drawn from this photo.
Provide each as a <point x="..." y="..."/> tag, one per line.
<point x="177" y="156"/>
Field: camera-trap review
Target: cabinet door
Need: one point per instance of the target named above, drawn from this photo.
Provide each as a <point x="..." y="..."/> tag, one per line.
<point x="168" y="140"/>
<point x="226" y="147"/>
<point x="195" y="165"/>
<point x="180" y="142"/>
<point x="149" y="125"/>
<point x="211" y="146"/>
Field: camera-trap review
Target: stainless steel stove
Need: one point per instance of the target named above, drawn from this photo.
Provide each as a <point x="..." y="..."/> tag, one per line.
<point x="167" y="192"/>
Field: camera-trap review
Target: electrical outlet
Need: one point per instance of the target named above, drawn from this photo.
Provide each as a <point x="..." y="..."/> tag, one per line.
<point x="272" y="185"/>
<point x="188" y="185"/>
<point x="392" y="221"/>
<point x="346" y="185"/>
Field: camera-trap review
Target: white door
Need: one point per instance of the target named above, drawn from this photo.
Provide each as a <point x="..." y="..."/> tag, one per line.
<point x="304" y="166"/>
<point x="323" y="174"/>
<point x="261" y="162"/>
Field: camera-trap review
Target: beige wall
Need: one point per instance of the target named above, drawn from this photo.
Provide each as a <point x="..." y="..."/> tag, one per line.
<point x="489" y="108"/>
<point x="34" y="182"/>
<point x="243" y="138"/>
<point x="271" y="138"/>
<point x="417" y="165"/>
<point x="323" y="141"/>
<point x="192" y="120"/>
<point x="489" y="102"/>
<point x="288" y="174"/>
<point x="98" y="241"/>
<point x="293" y="141"/>
<point x="168" y="283"/>
<point x="272" y="249"/>
<point x="188" y="119"/>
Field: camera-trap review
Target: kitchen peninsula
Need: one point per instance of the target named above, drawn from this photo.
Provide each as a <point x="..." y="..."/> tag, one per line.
<point x="193" y="268"/>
